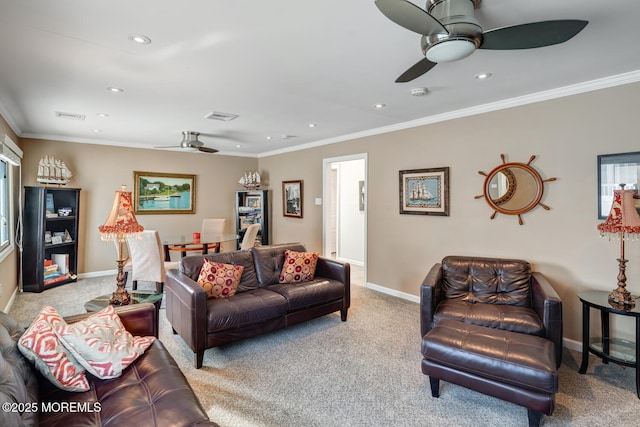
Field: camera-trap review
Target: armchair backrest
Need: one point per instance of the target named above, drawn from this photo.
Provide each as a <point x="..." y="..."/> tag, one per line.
<point x="487" y="280"/>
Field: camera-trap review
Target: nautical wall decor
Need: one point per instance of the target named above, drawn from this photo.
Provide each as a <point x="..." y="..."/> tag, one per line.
<point x="53" y="171"/>
<point x="424" y="191"/>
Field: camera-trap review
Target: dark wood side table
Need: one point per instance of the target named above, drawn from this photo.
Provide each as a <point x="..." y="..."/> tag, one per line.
<point x="622" y="352"/>
<point x="137" y="297"/>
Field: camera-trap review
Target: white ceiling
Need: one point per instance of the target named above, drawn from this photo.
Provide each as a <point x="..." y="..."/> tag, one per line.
<point x="278" y="64"/>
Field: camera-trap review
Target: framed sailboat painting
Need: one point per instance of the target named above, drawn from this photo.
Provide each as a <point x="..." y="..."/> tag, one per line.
<point x="424" y="191"/>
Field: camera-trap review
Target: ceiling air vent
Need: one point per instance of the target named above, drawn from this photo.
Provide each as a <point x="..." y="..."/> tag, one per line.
<point x="216" y="115"/>
<point x="71" y="116"/>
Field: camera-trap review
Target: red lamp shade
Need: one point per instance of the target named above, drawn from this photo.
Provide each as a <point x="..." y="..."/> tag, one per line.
<point x="121" y="220"/>
<point x="623" y="217"/>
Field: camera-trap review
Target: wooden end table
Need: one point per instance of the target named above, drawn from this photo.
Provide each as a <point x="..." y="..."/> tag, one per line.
<point x="619" y="351"/>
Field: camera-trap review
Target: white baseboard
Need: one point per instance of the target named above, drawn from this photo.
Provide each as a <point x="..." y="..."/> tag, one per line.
<point x="11" y="301"/>
<point x="566" y="342"/>
<point x="97" y="274"/>
<point x="351" y="261"/>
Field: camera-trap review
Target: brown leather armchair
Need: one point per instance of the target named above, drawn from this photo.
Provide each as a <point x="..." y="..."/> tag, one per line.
<point x="498" y="293"/>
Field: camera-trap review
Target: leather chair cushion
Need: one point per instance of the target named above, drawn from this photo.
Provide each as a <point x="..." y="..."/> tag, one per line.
<point x="506" y="317"/>
<point x="152" y="391"/>
<point x="524" y="361"/>
<point x="306" y="294"/>
<point x="487" y="280"/>
<point x="244" y="308"/>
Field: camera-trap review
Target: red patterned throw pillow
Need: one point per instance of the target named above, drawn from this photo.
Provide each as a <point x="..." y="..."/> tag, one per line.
<point x="101" y="343"/>
<point x="298" y="266"/>
<point x="41" y="345"/>
<point x="220" y="280"/>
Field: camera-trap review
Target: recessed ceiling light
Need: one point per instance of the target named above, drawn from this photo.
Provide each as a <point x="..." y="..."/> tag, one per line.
<point x="97" y="130"/>
<point x="482" y="76"/>
<point x="268" y="137"/>
<point x="419" y="91"/>
<point x="378" y="106"/>
<point x="312" y="125"/>
<point x="238" y="146"/>
<point x="139" y="38"/>
<point x="287" y="136"/>
<point x="115" y="89"/>
<point x="102" y="115"/>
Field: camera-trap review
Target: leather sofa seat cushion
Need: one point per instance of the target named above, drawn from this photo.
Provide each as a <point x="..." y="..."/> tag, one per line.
<point x="487" y="280"/>
<point x="191" y="266"/>
<point x="149" y="392"/>
<point x="506" y="317"/>
<point x="524" y="361"/>
<point x="269" y="260"/>
<point x="244" y="308"/>
<point x="306" y="294"/>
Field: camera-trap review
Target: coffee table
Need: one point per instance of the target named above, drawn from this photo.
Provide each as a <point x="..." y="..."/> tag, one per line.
<point x="137" y="297"/>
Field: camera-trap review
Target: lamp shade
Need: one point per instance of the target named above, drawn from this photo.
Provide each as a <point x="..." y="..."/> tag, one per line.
<point x="623" y="217"/>
<point x="121" y="220"/>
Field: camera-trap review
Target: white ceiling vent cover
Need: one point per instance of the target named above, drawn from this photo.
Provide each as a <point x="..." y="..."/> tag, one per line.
<point x="216" y="115"/>
<point x="72" y="116"/>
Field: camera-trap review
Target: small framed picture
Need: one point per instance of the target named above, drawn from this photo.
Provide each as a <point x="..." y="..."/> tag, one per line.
<point x="424" y="191"/>
<point x="47" y="237"/>
<point x="613" y="170"/>
<point x="56" y="240"/>
<point x="292" y="198"/>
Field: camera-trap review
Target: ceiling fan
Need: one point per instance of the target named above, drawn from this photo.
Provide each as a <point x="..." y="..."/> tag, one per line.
<point x="451" y="32"/>
<point x="190" y="142"/>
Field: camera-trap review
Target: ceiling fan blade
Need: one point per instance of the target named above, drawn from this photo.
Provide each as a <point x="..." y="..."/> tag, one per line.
<point x="418" y="69"/>
<point x="207" y="149"/>
<point x="532" y="35"/>
<point x="411" y="17"/>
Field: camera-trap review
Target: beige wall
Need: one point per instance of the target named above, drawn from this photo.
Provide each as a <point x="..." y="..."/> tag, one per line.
<point x="100" y="170"/>
<point x="9" y="266"/>
<point x="565" y="134"/>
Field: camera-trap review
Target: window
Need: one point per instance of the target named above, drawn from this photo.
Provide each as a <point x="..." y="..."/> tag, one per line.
<point x="5" y="208"/>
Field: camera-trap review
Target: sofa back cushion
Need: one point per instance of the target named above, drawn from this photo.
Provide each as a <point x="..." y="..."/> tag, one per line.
<point x="487" y="280"/>
<point x="268" y="261"/>
<point x="191" y="266"/>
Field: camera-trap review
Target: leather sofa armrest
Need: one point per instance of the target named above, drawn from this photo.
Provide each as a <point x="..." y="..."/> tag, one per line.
<point x="138" y="319"/>
<point x="336" y="270"/>
<point x="548" y="305"/>
<point x="186" y="309"/>
<point x="430" y="296"/>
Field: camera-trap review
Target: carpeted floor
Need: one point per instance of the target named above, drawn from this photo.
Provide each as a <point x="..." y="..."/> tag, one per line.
<point x="363" y="372"/>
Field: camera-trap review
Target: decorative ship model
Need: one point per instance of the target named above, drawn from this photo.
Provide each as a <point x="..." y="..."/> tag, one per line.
<point x="250" y="180"/>
<point x="53" y="171"/>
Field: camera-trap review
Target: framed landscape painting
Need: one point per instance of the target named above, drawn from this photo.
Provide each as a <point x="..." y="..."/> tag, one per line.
<point x="292" y="198"/>
<point x="424" y="191"/>
<point x="164" y="193"/>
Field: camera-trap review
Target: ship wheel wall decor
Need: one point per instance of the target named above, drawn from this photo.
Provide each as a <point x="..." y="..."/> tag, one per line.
<point x="513" y="188"/>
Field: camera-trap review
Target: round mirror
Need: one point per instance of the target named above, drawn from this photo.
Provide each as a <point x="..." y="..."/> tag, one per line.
<point x="513" y="188"/>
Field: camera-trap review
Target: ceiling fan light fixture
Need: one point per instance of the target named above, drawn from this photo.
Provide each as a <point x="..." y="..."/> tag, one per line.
<point x="450" y="50"/>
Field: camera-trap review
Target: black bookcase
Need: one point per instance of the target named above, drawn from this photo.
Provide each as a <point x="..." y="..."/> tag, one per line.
<point x="50" y="237"/>
<point x="252" y="207"/>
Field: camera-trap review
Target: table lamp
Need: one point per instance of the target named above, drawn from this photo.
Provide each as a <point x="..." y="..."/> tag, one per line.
<point x="121" y="225"/>
<point x="623" y="223"/>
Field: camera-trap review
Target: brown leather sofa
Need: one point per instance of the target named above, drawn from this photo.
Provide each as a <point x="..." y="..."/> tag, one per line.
<point x="151" y="392"/>
<point x="260" y="304"/>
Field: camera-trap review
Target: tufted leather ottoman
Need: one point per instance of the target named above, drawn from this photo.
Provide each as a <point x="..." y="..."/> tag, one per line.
<point x="518" y="368"/>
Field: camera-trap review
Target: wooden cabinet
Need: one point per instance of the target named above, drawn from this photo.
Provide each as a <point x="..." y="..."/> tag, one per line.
<point x="252" y="207"/>
<point x="50" y="241"/>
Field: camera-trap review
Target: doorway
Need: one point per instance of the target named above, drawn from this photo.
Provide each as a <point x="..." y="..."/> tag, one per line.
<point x="345" y="211"/>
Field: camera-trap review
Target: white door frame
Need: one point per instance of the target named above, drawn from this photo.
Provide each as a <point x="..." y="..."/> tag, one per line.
<point x="326" y="165"/>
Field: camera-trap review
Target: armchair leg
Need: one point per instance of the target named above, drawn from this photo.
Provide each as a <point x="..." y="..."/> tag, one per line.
<point x="435" y="386"/>
<point x="159" y="287"/>
<point x="343" y="314"/>
<point x="134" y="285"/>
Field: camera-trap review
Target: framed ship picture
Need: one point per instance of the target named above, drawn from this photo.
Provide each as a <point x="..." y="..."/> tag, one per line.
<point x="424" y="191"/>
